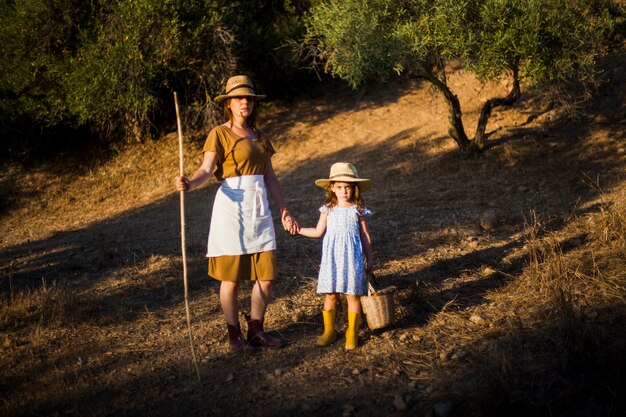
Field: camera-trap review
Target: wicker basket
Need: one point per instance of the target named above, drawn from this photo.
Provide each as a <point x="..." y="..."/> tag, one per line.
<point x="378" y="307"/>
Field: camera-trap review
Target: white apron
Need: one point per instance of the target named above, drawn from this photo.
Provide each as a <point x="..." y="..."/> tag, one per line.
<point x="241" y="222"/>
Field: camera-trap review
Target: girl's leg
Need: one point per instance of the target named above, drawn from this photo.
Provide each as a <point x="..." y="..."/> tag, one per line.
<point x="354" y="303"/>
<point x="354" y="321"/>
<point x="328" y="314"/>
<point x="330" y="301"/>
<point x="229" y="302"/>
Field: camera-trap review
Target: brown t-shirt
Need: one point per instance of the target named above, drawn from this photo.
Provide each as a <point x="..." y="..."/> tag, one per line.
<point x="237" y="156"/>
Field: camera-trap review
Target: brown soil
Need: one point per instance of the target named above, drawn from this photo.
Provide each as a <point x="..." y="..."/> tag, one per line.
<point x="93" y="319"/>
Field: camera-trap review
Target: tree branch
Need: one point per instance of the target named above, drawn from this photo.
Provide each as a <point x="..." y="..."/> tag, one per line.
<point x="455" y="115"/>
<point x="480" y="139"/>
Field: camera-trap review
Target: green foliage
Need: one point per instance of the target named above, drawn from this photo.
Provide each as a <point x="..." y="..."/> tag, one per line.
<point x="262" y="29"/>
<point x="535" y="41"/>
<point x="113" y="70"/>
<point x="548" y="40"/>
<point x="109" y="64"/>
<point x="355" y="38"/>
<point x="32" y="62"/>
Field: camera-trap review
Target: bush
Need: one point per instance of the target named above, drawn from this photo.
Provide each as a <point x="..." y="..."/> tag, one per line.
<point x="110" y="65"/>
<point x="262" y="32"/>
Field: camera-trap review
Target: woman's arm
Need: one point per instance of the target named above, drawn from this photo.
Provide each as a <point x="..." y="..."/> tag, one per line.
<point x="271" y="181"/>
<point x="366" y="243"/>
<point x="317" y="231"/>
<point x="201" y="176"/>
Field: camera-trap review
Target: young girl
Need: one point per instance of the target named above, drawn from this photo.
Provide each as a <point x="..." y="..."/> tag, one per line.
<point x="346" y="245"/>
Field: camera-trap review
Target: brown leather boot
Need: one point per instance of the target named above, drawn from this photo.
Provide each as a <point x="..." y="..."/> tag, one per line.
<point x="237" y="342"/>
<point x="258" y="338"/>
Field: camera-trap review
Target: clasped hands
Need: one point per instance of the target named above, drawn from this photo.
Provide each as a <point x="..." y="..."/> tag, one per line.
<point x="290" y="224"/>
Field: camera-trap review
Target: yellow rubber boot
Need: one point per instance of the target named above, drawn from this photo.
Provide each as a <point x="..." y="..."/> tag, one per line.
<point x="330" y="334"/>
<point x="352" y="334"/>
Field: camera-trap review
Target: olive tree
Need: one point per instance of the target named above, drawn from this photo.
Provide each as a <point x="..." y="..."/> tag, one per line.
<point x="531" y="41"/>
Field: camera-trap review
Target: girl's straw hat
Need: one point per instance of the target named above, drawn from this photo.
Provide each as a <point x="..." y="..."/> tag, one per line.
<point x="239" y="86"/>
<point x="344" y="172"/>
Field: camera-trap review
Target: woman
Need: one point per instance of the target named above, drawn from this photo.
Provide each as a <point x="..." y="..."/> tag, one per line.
<point x="242" y="242"/>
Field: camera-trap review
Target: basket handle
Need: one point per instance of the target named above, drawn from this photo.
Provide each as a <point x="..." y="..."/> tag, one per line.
<point x="369" y="276"/>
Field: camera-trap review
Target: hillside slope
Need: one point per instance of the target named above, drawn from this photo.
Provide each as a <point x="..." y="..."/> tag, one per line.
<point x="509" y="268"/>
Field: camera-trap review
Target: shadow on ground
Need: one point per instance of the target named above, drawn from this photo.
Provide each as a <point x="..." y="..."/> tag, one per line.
<point x="425" y="209"/>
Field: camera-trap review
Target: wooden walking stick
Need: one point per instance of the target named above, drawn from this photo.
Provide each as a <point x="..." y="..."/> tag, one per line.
<point x="182" y="238"/>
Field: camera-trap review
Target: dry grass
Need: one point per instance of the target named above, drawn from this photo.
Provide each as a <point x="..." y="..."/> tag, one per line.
<point x="47" y="307"/>
<point x="554" y="334"/>
<point x="525" y="319"/>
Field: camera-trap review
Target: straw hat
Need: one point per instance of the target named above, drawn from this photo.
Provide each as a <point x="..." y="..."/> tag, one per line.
<point x="344" y="172"/>
<point x="239" y="86"/>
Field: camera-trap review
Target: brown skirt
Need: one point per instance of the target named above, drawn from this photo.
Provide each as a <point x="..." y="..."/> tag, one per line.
<point x="255" y="266"/>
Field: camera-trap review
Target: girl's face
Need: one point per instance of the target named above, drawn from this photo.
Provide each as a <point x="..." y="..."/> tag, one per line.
<point x="241" y="106"/>
<point x="343" y="191"/>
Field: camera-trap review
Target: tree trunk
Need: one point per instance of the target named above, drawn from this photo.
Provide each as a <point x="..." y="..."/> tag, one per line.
<point x="480" y="138"/>
<point x="455" y="116"/>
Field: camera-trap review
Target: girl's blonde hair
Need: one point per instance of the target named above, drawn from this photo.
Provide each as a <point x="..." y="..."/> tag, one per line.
<point x="331" y="198"/>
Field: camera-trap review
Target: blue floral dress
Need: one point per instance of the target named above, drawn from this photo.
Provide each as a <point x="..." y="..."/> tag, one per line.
<point x="342" y="268"/>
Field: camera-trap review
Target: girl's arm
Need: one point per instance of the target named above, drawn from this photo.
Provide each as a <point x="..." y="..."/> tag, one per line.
<point x="201" y="176"/>
<point x="317" y="231"/>
<point x="366" y="243"/>
<point x="271" y="181"/>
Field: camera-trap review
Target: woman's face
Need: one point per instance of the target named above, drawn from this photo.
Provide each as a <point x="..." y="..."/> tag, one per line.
<point x="241" y="106"/>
